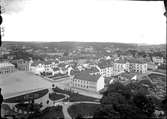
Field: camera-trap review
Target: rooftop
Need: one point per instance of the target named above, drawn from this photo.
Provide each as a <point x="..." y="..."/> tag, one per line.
<point x="131" y="60"/>
<point x="105" y="63"/>
<point x="93" y="70"/>
<point x="21" y="81"/>
<point x="84" y="75"/>
<point x="6" y="64"/>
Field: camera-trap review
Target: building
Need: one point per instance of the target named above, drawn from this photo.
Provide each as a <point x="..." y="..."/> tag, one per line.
<point x="87" y="81"/>
<point x="66" y="60"/>
<point x="106" y="68"/>
<point x="152" y="66"/>
<point x="23" y="65"/>
<point x="120" y="66"/>
<point x="137" y="66"/>
<point x="130" y="65"/>
<point x="39" y="66"/>
<point x="6" y="67"/>
<point x="158" y="60"/>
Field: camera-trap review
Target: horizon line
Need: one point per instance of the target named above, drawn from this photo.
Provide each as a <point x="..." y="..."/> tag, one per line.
<point x="85" y="42"/>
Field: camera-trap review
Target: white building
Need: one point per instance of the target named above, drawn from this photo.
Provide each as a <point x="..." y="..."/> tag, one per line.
<point x="131" y="65"/>
<point x="6" y="67"/>
<point x="87" y="81"/>
<point x="158" y="60"/>
<point x="106" y="68"/>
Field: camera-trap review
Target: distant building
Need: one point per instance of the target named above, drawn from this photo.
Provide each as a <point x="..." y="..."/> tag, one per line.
<point x="106" y="68"/>
<point x="130" y="65"/>
<point x="23" y="65"/>
<point x="65" y="60"/>
<point x="120" y="66"/>
<point x="151" y="66"/>
<point x="137" y="66"/>
<point x="87" y="81"/>
<point x="158" y="60"/>
<point x="6" y="67"/>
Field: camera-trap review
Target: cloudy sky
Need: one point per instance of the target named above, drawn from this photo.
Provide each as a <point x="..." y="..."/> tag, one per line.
<point x="86" y="20"/>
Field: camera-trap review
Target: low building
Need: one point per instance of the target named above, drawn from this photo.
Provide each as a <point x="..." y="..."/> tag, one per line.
<point x="86" y="81"/>
<point x="6" y="67"/>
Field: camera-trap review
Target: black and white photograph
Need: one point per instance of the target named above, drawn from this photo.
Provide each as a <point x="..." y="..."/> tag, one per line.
<point x="83" y="59"/>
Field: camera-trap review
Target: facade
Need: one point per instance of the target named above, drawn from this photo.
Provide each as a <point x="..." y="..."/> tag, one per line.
<point x="23" y="65"/>
<point x="86" y="81"/>
<point x="38" y="67"/>
<point x="158" y="60"/>
<point x="6" y="67"/>
<point x="121" y="66"/>
<point x="137" y="66"/>
<point x="106" y="68"/>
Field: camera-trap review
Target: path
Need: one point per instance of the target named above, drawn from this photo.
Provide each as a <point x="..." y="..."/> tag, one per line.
<point x="66" y="105"/>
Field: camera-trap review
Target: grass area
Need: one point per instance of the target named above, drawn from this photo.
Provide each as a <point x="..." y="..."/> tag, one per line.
<point x="7" y="109"/>
<point x="28" y="107"/>
<point x="74" y="96"/>
<point x="49" y="113"/>
<point x="52" y="113"/>
<point x="53" y="96"/>
<point x="26" y="97"/>
<point x="82" y="109"/>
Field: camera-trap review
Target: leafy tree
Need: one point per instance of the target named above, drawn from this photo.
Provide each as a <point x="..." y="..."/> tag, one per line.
<point x="125" y="101"/>
<point x="144" y="103"/>
<point x="164" y="104"/>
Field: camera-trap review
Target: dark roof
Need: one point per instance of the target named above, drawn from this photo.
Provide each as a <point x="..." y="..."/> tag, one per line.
<point x="131" y="60"/>
<point x="84" y="75"/>
<point x="62" y="65"/>
<point x="93" y="70"/>
<point x="127" y="75"/>
<point x="105" y="63"/>
<point x="56" y="69"/>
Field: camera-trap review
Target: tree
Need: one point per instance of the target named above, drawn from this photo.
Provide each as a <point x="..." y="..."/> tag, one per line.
<point x="144" y="103"/>
<point x="164" y="105"/>
<point x="124" y="101"/>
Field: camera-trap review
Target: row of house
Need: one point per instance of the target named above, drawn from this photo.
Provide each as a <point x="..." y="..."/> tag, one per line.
<point x="6" y="67"/>
<point x="110" y="68"/>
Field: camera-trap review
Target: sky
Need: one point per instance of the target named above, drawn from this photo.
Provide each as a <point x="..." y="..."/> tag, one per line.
<point x="86" y="21"/>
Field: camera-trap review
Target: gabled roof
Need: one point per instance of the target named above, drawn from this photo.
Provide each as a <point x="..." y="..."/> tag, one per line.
<point x="84" y="75"/>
